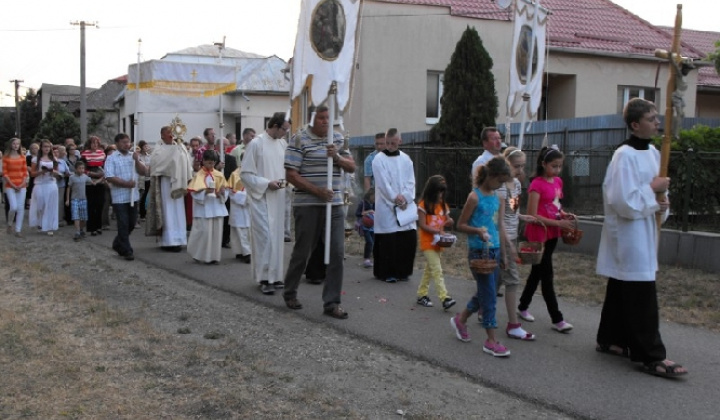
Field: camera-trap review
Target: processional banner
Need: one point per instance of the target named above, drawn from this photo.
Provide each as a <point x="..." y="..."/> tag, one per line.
<point x="325" y="48"/>
<point x="523" y="38"/>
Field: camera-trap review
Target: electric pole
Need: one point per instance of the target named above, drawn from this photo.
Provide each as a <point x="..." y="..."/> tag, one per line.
<point x="83" y="96"/>
<point x="17" y="106"/>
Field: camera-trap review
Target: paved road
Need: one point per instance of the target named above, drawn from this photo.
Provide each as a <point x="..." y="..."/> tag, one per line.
<point x="561" y="371"/>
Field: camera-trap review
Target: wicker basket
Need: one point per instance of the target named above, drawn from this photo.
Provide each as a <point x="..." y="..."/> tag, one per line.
<point x="446" y="240"/>
<point x="483" y="266"/>
<point x="572" y="236"/>
<point x="532" y="252"/>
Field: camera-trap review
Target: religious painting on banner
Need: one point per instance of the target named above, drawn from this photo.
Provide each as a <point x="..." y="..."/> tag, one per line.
<point x="325" y="48"/>
<point x="528" y="49"/>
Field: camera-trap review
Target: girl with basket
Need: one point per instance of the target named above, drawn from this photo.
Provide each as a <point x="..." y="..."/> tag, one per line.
<point x="433" y="217"/>
<point x="482" y="219"/>
<point x="510" y="193"/>
<point x="544" y="196"/>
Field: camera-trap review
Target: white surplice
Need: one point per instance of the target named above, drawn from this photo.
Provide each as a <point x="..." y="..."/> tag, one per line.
<point x="205" y="239"/>
<point x="393" y="175"/>
<point x="263" y="162"/>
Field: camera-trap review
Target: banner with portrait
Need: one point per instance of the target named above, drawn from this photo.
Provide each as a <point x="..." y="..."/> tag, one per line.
<point x="523" y="38"/>
<point x="325" y="48"/>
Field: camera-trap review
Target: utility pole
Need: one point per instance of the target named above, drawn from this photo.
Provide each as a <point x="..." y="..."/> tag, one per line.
<point x="17" y="107"/>
<point x="83" y="96"/>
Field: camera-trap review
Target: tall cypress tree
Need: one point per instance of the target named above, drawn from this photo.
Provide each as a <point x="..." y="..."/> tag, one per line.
<point x="469" y="101"/>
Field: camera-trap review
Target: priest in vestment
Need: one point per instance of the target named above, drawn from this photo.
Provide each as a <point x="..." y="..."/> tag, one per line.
<point x="209" y="195"/>
<point x="263" y="172"/>
<point x="170" y="172"/>
<point x="395" y="243"/>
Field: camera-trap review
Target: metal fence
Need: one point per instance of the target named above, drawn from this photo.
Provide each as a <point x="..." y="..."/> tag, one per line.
<point x="588" y="145"/>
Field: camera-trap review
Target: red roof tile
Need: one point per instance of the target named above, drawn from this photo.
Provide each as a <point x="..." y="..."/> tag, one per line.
<point x="593" y="26"/>
<point x="704" y="43"/>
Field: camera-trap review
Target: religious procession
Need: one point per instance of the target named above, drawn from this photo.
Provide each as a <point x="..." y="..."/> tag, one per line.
<point x="293" y="184"/>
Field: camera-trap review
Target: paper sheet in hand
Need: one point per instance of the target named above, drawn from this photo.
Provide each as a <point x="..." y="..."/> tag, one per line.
<point x="408" y="215"/>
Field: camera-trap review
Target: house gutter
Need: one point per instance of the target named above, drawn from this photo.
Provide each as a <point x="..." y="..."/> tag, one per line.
<point x="593" y="53"/>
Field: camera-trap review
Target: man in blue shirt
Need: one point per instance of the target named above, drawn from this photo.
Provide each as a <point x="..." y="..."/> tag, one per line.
<point x="120" y="173"/>
<point x="367" y="165"/>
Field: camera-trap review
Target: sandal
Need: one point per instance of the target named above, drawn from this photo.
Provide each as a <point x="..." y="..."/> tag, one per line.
<point x="613" y="349"/>
<point x="335" y="312"/>
<point x="293" y="303"/>
<point x="669" y="369"/>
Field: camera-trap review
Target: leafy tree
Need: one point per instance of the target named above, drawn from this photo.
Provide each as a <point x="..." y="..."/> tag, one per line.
<point x="469" y="101"/>
<point x="30" y="115"/>
<point x="58" y="124"/>
<point x="715" y="56"/>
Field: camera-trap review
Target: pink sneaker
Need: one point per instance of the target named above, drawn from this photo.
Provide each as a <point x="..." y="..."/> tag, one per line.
<point x="460" y="329"/>
<point x="497" y="349"/>
<point x="526" y="315"/>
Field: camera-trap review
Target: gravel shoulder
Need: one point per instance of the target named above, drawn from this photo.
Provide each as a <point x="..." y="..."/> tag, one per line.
<point x="109" y="338"/>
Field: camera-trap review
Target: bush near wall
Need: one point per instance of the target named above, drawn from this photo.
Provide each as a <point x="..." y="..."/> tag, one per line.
<point x="693" y="170"/>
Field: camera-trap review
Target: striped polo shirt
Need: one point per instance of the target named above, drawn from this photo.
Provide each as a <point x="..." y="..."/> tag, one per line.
<point x="307" y="154"/>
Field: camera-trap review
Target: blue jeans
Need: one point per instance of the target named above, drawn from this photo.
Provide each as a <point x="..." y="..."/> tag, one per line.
<point x="369" y="235"/>
<point x="485" y="299"/>
<point x="126" y="217"/>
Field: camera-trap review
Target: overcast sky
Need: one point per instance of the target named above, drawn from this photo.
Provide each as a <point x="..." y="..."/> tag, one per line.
<point x="41" y="46"/>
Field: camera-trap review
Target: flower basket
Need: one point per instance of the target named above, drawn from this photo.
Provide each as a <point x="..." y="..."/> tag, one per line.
<point x="485" y="264"/>
<point x="446" y="240"/>
<point x="532" y="252"/>
<point x="574" y="235"/>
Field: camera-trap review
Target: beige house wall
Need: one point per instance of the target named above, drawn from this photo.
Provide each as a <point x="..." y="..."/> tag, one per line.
<point x="708" y="105"/>
<point x="399" y="44"/>
<point x="598" y="78"/>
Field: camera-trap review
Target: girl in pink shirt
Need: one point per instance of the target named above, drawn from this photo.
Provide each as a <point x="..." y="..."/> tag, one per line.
<point x="544" y="196"/>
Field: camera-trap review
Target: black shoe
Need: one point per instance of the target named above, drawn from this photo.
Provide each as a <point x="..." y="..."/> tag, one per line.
<point x="177" y="248"/>
<point x="267" y="289"/>
<point x="227" y="245"/>
<point x="246" y="259"/>
<point x="129" y="257"/>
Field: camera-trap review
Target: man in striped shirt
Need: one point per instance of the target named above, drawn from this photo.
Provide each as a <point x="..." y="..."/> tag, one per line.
<point x="306" y="168"/>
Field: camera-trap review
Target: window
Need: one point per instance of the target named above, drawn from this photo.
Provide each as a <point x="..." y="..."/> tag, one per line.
<point x="625" y="93"/>
<point x="434" y="93"/>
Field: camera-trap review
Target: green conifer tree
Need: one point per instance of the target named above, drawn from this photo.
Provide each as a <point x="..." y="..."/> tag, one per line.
<point x="469" y="101"/>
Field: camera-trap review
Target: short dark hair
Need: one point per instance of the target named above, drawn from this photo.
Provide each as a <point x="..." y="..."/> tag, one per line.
<point x="486" y="132"/>
<point x="207" y="131"/>
<point x="380" y="135"/>
<point x="392" y="132"/>
<point x="120" y="136"/>
<point x="142" y="143"/>
<point x="248" y="130"/>
<point x="210" y="154"/>
<point x="79" y="163"/>
<point x="278" y="119"/>
<point x="321" y="108"/>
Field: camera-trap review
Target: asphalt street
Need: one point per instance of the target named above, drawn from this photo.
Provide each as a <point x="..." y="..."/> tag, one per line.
<point x="561" y="371"/>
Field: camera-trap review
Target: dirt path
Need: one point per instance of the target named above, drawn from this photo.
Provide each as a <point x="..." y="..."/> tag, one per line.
<point x="86" y="335"/>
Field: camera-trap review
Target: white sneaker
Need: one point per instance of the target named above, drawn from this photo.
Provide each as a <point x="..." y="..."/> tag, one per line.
<point x="526" y="315"/>
<point x="562" y="326"/>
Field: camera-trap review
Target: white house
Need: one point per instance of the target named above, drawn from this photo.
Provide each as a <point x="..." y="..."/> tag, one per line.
<point x="181" y="83"/>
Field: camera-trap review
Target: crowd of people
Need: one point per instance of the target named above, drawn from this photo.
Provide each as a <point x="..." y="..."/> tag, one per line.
<point x="211" y="194"/>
